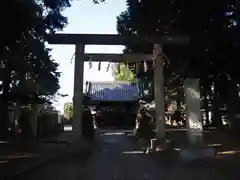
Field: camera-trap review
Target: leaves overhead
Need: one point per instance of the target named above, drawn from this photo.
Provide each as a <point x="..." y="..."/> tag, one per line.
<point x="213" y="26"/>
<point x="27" y="64"/>
<point x="124" y="73"/>
<point x="68" y="111"/>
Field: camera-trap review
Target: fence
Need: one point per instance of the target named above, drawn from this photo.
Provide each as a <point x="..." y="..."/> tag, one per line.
<point x="50" y="123"/>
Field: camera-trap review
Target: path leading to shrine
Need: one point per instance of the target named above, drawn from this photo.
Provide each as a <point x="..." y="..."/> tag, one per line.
<point x="121" y="159"/>
<point x="118" y="157"/>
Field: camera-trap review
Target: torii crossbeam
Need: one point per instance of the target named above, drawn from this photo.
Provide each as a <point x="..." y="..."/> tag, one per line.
<point x="80" y="40"/>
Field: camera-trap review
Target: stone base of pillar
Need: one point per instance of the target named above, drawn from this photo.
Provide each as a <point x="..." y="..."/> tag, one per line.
<point x="193" y="153"/>
<point x="158" y="145"/>
<point x="153" y="144"/>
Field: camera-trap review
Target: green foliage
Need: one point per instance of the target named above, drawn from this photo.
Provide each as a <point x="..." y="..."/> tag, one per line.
<point x="213" y="55"/>
<point x="27" y="71"/>
<point x="68" y="111"/>
<point x="124" y="74"/>
<point x="178" y="17"/>
<point x="26" y="58"/>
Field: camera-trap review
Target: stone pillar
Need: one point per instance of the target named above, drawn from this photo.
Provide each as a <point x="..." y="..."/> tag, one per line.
<point x="78" y="89"/>
<point x="196" y="149"/>
<point x="159" y="91"/>
<point x="193" y="111"/>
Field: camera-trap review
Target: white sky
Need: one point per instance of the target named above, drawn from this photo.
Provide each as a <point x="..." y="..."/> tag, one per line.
<point x="86" y="17"/>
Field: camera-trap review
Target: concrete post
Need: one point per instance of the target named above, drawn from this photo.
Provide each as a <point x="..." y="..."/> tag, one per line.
<point x="193" y="111"/>
<point x="78" y="89"/>
<point x="196" y="148"/>
<point x="159" y="91"/>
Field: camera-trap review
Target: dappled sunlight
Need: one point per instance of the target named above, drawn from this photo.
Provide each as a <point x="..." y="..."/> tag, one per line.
<point x="68" y="128"/>
<point x="208" y="145"/>
<point x="19" y="156"/>
<point x="228" y="153"/>
<point x="112" y="134"/>
<point x="174" y="129"/>
<point x="214" y="145"/>
<point x="3" y="142"/>
<point x="159" y="149"/>
<point x="176" y="149"/>
<point x="133" y="152"/>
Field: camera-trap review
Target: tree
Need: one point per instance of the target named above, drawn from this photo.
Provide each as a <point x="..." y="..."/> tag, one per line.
<point x="27" y="70"/>
<point x="124" y="73"/>
<point x="213" y="54"/>
<point x="68" y="111"/>
<point x="39" y="78"/>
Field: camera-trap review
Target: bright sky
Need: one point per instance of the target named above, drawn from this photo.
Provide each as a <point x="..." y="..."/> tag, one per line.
<point x="86" y="17"/>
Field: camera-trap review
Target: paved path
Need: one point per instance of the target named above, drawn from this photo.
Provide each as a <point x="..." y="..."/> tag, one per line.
<point x="117" y="157"/>
<point x="114" y="158"/>
<point x="120" y="159"/>
<point x="17" y="157"/>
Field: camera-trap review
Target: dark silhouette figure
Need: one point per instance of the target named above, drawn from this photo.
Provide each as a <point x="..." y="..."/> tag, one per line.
<point x="87" y="125"/>
<point x="143" y="125"/>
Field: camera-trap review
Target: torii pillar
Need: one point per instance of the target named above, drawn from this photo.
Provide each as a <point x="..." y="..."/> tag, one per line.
<point x="78" y="90"/>
<point x="158" y="64"/>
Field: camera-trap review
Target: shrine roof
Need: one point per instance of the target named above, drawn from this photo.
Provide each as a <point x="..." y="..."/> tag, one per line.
<point x="113" y="91"/>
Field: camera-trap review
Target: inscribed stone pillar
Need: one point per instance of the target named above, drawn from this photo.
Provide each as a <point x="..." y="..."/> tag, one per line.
<point x="78" y="89"/>
<point x="193" y="111"/>
<point x="159" y="91"/>
<point x="196" y="150"/>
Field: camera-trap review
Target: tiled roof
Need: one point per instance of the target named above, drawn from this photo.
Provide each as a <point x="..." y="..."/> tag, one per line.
<point x="113" y="91"/>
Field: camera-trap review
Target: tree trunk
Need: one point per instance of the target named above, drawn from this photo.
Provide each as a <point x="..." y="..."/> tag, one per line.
<point x="206" y="111"/>
<point x="4" y="119"/>
<point x="4" y="123"/>
<point x="216" y="115"/>
<point x="205" y="91"/>
<point x="233" y="105"/>
<point x="178" y="101"/>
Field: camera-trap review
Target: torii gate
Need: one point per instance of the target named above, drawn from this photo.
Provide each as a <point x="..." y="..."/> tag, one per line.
<point x="80" y="40"/>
